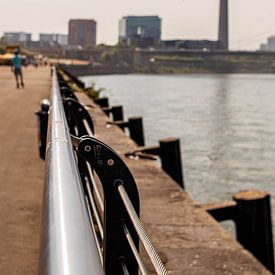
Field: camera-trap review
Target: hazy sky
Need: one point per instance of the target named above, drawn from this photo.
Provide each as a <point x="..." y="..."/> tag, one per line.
<point x="251" y="21"/>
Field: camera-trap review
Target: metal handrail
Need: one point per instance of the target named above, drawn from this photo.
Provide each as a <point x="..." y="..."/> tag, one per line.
<point x="68" y="245"/>
<point x="118" y="235"/>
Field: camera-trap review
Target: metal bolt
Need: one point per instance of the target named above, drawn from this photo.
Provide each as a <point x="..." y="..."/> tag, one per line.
<point x="110" y="162"/>
<point x="88" y="148"/>
<point x="118" y="182"/>
<point x="69" y="103"/>
<point x="80" y="109"/>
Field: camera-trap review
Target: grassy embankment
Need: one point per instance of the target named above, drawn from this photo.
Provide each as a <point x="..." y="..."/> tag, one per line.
<point x="209" y="64"/>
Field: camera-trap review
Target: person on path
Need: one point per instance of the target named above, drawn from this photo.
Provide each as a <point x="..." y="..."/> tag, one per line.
<point x="17" y="69"/>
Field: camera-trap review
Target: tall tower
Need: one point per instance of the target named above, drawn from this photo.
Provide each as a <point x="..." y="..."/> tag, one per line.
<point x="223" y="23"/>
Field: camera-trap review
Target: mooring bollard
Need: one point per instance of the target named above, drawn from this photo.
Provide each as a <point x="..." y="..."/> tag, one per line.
<point x="170" y="156"/>
<point x="102" y="102"/>
<point x="254" y="225"/>
<point x="251" y="212"/>
<point x="116" y="111"/>
<point x="135" y="126"/>
<point x="43" y="126"/>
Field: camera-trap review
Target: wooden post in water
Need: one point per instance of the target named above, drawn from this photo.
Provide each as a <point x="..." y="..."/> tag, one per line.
<point x="102" y="102"/>
<point x="171" y="159"/>
<point x="135" y="126"/>
<point x="254" y="225"/>
<point x="117" y="112"/>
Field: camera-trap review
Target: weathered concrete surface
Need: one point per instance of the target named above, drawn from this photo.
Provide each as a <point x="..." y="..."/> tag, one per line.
<point x="188" y="239"/>
<point x="21" y="171"/>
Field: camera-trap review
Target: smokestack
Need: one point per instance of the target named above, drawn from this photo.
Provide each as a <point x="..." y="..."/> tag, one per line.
<point x="223" y="23"/>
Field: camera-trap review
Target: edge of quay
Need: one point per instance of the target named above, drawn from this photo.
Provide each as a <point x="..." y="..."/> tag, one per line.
<point x="188" y="239"/>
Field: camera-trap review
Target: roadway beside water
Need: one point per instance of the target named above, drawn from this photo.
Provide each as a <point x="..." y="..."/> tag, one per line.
<point x="21" y="170"/>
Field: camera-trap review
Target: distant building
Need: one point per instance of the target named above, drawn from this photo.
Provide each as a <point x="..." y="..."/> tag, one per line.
<point x="62" y="39"/>
<point x="140" y="31"/>
<point x="51" y="38"/>
<point x="82" y="32"/>
<point x="17" y="37"/>
<point x="263" y="47"/>
<point x="269" y="46"/>
<point x="199" y="45"/>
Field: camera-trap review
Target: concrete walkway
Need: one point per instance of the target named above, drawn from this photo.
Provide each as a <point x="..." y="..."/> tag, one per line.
<point x="189" y="240"/>
<point x="21" y="170"/>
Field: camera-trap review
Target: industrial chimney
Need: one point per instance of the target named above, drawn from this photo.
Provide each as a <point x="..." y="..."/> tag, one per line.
<point x="223" y="23"/>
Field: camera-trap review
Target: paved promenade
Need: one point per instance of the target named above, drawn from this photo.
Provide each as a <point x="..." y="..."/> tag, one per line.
<point x="21" y="171"/>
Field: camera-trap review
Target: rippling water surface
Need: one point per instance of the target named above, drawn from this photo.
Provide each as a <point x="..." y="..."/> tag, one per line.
<point x="226" y="124"/>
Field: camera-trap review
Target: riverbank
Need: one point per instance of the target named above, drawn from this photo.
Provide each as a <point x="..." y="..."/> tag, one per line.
<point x="188" y="239"/>
<point x="225" y="124"/>
<point x="172" y="62"/>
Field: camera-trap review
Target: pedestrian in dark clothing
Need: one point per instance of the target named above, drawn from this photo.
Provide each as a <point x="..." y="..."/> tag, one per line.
<point x="17" y="69"/>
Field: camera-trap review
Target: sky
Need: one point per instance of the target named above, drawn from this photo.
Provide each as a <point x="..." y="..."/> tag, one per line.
<point x="251" y="21"/>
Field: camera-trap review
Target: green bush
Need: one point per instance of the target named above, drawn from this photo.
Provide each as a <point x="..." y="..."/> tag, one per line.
<point x="93" y="92"/>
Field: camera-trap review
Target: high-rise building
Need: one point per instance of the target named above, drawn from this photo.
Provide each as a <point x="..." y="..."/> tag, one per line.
<point x="82" y="32"/>
<point x="61" y="39"/>
<point x="17" y="37"/>
<point x="269" y="46"/>
<point x="223" y="24"/>
<point x="140" y="30"/>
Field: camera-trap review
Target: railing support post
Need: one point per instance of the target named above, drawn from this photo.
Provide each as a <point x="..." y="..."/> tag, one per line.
<point x="43" y="116"/>
<point x="171" y="159"/>
<point x="135" y="126"/>
<point x="254" y="225"/>
<point x="112" y="172"/>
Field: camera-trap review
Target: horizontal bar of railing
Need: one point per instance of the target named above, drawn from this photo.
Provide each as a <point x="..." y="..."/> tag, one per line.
<point x="95" y="210"/>
<point x="68" y="245"/>
<point x="95" y="188"/>
<point x="124" y="267"/>
<point x="134" y="250"/>
<point x="143" y="236"/>
<point x="98" y="242"/>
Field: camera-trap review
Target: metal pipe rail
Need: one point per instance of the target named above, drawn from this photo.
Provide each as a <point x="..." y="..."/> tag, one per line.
<point x="115" y="216"/>
<point x="67" y="244"/>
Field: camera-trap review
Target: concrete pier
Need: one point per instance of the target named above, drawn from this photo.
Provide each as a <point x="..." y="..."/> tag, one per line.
<point x="189" y="240"/>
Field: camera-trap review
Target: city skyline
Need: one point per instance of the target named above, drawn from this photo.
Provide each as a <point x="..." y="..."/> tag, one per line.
<point x="188" y="19"/>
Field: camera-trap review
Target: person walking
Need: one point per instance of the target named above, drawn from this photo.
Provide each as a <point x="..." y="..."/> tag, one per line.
<point x="17" y="69"/>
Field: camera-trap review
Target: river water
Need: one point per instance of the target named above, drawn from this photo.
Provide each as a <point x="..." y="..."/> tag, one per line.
<point x="226" y="125"/>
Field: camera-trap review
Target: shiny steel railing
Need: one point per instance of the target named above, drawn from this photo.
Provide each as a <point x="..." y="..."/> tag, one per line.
<point x="68" y="244"/>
